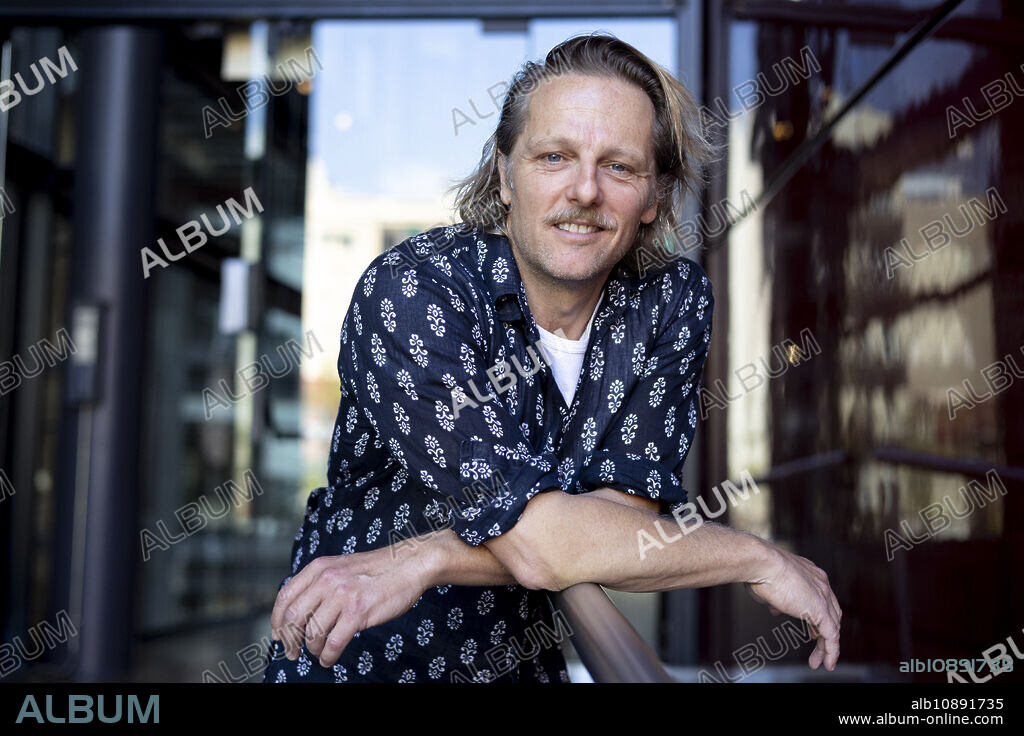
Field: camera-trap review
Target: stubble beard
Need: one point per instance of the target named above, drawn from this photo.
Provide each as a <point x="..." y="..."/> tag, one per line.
<point x="538" y="261"/>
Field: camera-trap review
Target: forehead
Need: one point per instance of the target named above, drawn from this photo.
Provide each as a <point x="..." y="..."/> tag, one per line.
<point x="591" y="110"/>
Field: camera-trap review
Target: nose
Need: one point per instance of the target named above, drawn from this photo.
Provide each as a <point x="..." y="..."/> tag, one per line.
<point x="584" y="190"/>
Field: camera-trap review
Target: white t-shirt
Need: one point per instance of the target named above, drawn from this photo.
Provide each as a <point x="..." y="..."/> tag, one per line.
<point x="567" y="356"/>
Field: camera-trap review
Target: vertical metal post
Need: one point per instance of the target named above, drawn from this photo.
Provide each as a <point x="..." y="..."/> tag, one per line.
<point x="680" y="613"/>
<point x="716" y="603"/>
<point x="113" y="220"/>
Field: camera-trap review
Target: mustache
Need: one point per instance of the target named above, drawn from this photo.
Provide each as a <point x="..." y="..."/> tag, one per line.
<point x="586" y="216"/>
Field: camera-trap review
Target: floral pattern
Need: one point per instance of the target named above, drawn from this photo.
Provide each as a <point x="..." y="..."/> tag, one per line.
<point x="406" y="459"/>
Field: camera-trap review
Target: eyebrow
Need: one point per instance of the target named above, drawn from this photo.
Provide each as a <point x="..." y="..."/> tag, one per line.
<point x="563" y="142"/>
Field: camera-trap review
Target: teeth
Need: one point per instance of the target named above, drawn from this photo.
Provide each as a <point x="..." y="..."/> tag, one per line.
<point x="574" y="228"/>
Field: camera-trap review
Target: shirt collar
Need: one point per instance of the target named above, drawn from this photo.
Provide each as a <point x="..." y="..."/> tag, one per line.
<point x="500" y="275"/>
<point x="504" y="284"/>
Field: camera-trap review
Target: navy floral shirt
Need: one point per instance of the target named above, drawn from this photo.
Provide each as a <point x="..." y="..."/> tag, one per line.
<point x="450" y="418"/>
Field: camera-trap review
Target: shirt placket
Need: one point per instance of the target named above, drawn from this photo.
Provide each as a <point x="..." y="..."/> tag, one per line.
<point x="568" y="416"/>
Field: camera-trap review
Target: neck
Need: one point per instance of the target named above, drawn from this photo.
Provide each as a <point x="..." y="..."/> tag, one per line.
<point x="559" y="306"/>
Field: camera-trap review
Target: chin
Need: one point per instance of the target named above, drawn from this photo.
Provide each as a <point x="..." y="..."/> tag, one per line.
<point x="560" y="263"/>
<point x="582" y="269"/>
<point x="573" y="271"/>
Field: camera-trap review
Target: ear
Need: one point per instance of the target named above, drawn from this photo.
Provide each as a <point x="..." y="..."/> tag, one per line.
<point x="650" y="213"/>
<point x="652" y="209"/>
<point x="506" y="190"/>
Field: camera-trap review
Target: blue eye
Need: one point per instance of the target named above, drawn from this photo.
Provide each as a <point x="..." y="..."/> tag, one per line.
<point x="548" y="157"/>
<point x="622" y="170"/>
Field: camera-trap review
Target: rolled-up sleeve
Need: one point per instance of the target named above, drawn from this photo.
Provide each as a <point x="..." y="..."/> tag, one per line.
<point x="408" y="344"/>
<point x="644" y="450"/>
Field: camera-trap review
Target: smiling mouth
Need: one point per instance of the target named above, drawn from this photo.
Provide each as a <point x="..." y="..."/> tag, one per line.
<point x="572" y="227"/>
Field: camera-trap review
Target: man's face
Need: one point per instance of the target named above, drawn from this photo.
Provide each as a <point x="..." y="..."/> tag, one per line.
<point x="585" y="156"/>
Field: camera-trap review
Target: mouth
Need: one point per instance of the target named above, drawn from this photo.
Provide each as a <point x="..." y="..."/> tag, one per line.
<point x="577" y="227"/>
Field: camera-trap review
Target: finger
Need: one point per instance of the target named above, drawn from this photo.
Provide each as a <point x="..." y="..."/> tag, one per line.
<point x="337" y="640"/>
<point x="812" y="628"/>
<point x="828" y="642"/>
<point x="284" y="634"/>
<point x="831" y="648"/>
<point x="835" y="604"/>
<point x="354" y="618"/>
<point x="292" y="589"/>
<point x="817" y="656"/>
<point x="828" y="593"/>
<point x="831" y="652"/>
<point x="285" y="596"/>
<point x="834" y="612"/>
<point x="829" y="604"/>
<point x="297" y="616"/>
<point x="833" y="629"/>
<point x="320" y="624"/>
<point x="291" y="640"/>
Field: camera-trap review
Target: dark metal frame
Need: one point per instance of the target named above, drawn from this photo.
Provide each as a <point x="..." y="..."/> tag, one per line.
<point x="178" y="10"/>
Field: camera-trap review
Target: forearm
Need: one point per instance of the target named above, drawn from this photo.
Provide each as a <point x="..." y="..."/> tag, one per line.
<point x="564" y="539"/>
<point x="553" y="547"/>
<point x="448" y="560"/>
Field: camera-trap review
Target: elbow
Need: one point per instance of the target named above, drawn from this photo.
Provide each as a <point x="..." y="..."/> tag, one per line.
<point x="529" y="550"/>
<point x="534" y="571"/>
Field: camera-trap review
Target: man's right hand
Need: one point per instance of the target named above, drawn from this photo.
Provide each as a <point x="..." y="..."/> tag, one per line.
<point x="334" y="597"/>
<point x="794" y="585"/>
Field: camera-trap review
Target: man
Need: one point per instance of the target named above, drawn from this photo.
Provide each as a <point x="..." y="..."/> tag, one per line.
<point x="560" y="466"/>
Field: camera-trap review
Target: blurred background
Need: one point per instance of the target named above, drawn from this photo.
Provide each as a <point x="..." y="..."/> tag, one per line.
<point x="862" y="231"/>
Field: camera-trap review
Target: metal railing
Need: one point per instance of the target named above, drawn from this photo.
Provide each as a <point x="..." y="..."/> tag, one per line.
<point x="610" y="648"/>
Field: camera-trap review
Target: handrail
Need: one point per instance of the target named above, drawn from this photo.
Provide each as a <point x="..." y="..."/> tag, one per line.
<point x="977" y="469"/>
<point x="612" y="650"/>
<point x="608" y="645"/>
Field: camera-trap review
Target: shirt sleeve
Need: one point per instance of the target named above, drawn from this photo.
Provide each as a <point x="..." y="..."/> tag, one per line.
<point x="645" y="448"/>
<point x="410" y="342"/>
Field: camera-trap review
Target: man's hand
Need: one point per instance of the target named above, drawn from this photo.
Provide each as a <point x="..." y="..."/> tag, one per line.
<point x="552" y="547"/>
<point x="334" y="597"/>
<point x="796" y="586"/>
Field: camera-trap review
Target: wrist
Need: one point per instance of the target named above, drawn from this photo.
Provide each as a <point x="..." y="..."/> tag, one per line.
<point x="763" y="560"/>
<point x="430" y="558"/>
